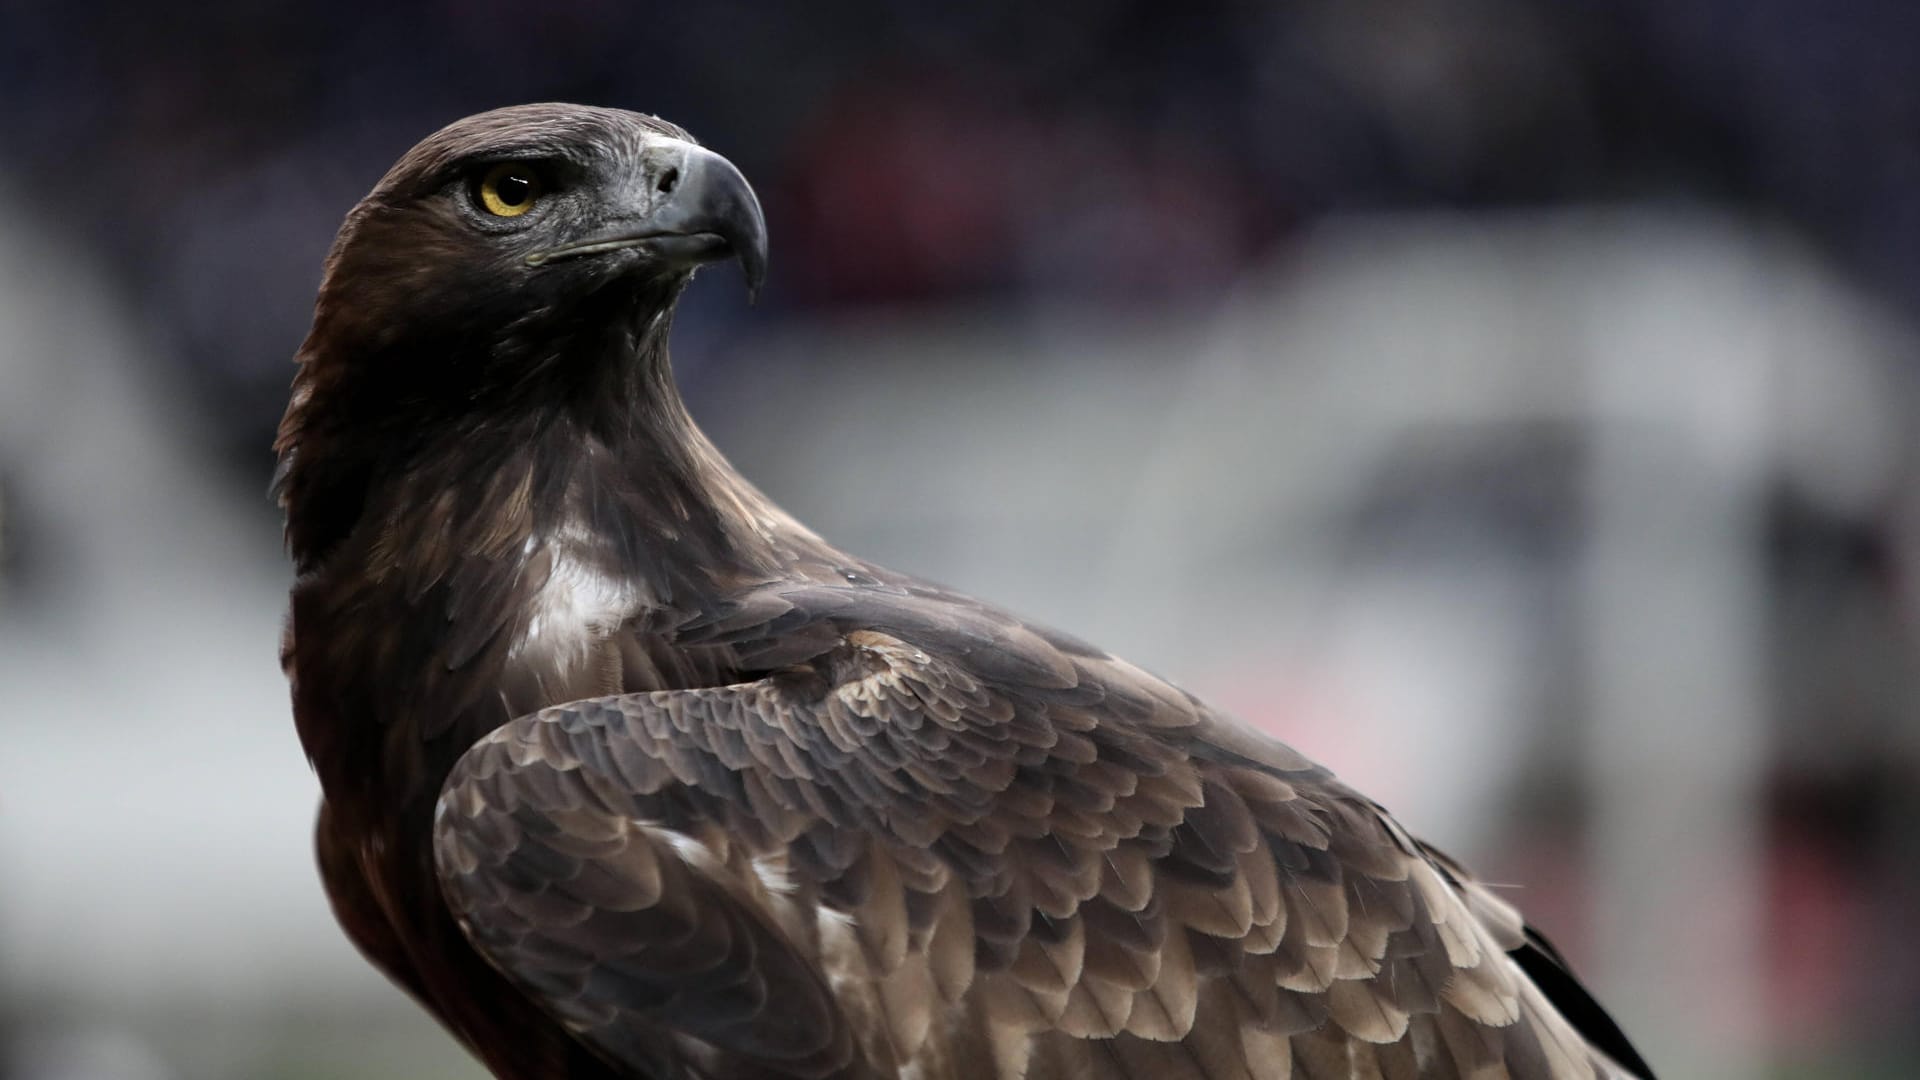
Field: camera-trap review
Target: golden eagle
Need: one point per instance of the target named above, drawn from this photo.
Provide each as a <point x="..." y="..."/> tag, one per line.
<point x="628" y="774"/>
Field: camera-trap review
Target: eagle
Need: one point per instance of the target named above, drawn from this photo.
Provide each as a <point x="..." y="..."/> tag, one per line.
<point x="627" y="773"/>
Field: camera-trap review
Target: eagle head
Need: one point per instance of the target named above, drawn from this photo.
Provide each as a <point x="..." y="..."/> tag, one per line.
<point x="504" y="223"/>
<point x="520" y="258"/>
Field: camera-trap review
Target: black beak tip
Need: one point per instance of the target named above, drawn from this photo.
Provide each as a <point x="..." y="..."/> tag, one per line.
<point x="746" y="232"/>
<point x="753" y="263"/>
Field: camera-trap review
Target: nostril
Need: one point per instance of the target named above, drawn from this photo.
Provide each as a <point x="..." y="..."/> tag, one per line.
<point x="667" y="181"/>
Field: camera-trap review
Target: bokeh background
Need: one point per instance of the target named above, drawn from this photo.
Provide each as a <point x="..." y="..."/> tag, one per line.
<point x="1508" y="403"/>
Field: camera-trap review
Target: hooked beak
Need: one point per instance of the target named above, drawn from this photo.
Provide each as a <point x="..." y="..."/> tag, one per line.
<point x="692" y="207"/>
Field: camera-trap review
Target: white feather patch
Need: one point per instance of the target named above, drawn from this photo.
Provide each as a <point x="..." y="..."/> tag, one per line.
<point x="577" y="607"/>
<point x="773" y="873"/>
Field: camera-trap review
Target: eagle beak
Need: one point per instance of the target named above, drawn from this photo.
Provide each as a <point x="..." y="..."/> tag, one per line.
<point x="690" y="207"/>
<point x="709" y="197"/>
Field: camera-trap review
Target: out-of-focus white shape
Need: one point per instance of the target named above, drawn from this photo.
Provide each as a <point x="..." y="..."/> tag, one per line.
<point x="1682" y="365"/>
<point x="155" y="807"/>
<point x="87" y="1054"/>
<point x="153" y="798"/>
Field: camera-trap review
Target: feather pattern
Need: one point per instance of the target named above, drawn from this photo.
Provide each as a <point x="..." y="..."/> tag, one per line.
<point x="1186" y="922"/>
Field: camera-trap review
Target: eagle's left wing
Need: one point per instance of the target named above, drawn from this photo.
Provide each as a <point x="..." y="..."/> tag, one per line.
<point x="885" y="857"/>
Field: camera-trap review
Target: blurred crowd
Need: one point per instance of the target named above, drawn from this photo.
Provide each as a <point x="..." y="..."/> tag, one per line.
<point x="1111" y="152"/>
<point x="1115" y="160"/>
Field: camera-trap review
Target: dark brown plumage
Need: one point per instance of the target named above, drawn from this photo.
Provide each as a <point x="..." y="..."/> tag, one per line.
<point x="627" y="774"/>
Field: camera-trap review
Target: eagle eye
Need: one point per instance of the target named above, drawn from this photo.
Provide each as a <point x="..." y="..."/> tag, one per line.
<point x="508" y="189"/>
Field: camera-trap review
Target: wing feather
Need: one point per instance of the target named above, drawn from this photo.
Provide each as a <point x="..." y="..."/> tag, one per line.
<point x="899" y="851"/>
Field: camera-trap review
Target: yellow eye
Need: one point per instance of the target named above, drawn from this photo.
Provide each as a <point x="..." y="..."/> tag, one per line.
<point x="509" y="189"/>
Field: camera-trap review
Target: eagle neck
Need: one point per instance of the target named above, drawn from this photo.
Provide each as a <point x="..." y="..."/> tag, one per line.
<point x="594" y="501"/>
<point x="633" y="466"/>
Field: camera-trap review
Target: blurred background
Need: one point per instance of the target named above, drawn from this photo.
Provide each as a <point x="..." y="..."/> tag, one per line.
<point x="1507" y="403"/>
